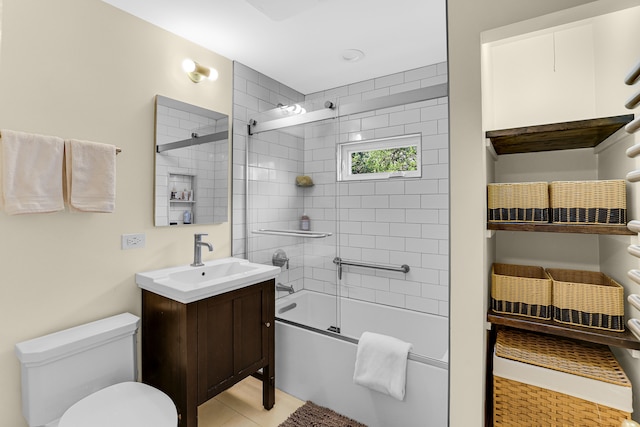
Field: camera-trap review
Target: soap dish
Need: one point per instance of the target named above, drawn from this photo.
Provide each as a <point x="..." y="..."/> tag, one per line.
<point x="304" y="181"/>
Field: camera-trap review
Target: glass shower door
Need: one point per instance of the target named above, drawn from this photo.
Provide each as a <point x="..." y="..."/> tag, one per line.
<point x="291" y="215"/>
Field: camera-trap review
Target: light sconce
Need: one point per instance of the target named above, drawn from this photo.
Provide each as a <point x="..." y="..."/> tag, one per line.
<point x="197" y="72"/>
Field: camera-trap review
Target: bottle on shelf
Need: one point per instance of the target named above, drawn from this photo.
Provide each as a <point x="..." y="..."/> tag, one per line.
<point x="305" y="222"/>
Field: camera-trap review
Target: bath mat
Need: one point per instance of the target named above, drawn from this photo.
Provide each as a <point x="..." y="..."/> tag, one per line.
<point x="312" y="415"/>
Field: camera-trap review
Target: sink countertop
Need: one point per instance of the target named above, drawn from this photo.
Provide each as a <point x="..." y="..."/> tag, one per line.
<point x="186" y="284"/>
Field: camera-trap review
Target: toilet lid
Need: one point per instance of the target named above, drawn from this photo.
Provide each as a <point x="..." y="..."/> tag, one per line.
<point x="128" y="404"/>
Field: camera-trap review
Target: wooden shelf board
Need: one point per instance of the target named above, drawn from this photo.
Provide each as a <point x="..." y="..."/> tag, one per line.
<point x="614" y="229"/>
<point x="617" y="339"/>
<point x="556" y="136"/>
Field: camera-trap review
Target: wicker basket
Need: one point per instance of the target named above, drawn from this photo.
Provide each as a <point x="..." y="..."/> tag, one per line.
<point x="518" y="202"/>
<point x="588" y="202"/>
<point x="517" y="403"/>
<point x="521" y="289"/>
<point x="587" y="298"/>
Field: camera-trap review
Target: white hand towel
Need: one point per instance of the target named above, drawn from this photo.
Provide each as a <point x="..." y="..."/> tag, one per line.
<point x="90" y="176"/>
<point x="31" y="172"/>
<point x="381" y="364"/>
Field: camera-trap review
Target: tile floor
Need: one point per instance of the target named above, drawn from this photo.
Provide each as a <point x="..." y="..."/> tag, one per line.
<point x="241" y="406"/>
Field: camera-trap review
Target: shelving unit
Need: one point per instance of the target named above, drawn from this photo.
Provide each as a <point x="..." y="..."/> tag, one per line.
<point x="551" y="137"/>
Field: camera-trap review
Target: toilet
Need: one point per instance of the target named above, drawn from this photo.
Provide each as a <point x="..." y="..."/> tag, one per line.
<point x="86" y="376"/>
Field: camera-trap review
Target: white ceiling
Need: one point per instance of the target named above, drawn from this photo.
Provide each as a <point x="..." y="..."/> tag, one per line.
<point x="300" y="42"/>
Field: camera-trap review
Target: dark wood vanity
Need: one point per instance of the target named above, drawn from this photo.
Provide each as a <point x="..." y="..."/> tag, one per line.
<point x="194" y="351"/>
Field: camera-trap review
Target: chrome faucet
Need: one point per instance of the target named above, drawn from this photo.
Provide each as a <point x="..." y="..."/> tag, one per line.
<point x="197" y="249"/>
<point x="281" y="287"/>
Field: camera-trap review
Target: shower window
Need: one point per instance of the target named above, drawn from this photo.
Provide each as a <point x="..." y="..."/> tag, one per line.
<point x="383" y="158"/>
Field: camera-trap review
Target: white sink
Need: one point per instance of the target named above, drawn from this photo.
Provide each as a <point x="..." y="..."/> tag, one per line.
<point x="187" y="284"/>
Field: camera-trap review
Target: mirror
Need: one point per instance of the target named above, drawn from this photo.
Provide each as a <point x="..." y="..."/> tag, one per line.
<point x="192" y="164"/>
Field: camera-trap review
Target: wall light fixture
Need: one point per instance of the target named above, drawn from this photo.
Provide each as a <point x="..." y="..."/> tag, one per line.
<point x="197" y="72"/>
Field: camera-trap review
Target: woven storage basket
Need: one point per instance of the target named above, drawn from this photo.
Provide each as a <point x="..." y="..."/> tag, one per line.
<point x="517" y="403"/>
<point x="587" y="298"/>
<point x="588" y="202"/>
<point x="521" y="289"/>
<point x="519" y="202"/>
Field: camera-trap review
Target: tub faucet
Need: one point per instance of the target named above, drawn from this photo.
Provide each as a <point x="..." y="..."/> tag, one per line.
<point x="281" y="287"/>
<point x="197" y="249"/>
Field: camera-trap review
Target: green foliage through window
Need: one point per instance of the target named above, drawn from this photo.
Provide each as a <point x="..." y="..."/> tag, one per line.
<point x="386" y="160"/>
<point x="380" y="158"/>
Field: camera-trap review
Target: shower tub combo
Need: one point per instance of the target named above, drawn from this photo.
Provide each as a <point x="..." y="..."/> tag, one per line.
<point x="315" y="362"/>
<point x="321" y="312"/>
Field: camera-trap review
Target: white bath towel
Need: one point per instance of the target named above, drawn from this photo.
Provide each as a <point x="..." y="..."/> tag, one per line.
<point x="90" y="170"/>
<point x="31" y="172"/>
<point x="381" y="364"/>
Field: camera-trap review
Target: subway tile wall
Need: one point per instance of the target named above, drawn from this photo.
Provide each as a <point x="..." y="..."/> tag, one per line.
<point x="275" y="160"/>
<point x="202" y="169"/>
<point x="403" y="221"/>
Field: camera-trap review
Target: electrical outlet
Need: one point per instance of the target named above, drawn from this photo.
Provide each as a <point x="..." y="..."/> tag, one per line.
<point x="130" y="241"/>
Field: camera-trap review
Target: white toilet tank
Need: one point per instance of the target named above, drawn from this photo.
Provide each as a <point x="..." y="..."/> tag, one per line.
<point x="61" y="368"/>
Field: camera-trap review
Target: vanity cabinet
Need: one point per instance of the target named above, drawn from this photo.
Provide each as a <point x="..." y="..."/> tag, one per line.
<point x="194" y="351"/>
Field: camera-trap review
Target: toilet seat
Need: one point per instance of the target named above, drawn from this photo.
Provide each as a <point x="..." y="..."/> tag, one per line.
<point x="127" y="404"/>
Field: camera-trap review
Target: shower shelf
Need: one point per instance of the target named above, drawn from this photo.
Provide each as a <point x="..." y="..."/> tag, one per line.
<point x="293" y="233"/>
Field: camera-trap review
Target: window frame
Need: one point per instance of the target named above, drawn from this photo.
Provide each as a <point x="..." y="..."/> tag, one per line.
<point x="345" y="149"/>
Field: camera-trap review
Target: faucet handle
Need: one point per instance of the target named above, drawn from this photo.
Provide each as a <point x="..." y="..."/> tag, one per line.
<point x="198" y="236"/>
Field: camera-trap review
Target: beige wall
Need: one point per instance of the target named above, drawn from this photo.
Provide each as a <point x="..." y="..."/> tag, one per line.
<point x="83" y="69"/>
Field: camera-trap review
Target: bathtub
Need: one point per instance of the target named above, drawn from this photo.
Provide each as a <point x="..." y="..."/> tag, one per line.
<point x="314" y="363"/>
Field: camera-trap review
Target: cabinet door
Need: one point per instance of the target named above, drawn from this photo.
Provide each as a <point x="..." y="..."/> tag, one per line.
<point x="250" y="343"/>
<point x="232" y="339"/>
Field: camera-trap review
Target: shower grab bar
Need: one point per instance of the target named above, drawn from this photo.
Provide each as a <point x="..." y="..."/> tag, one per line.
<point x="404" y="268"/>
<point x="293" y="233"/>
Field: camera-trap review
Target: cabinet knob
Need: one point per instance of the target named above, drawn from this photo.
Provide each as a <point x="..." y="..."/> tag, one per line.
<point x="268" y="324"/>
